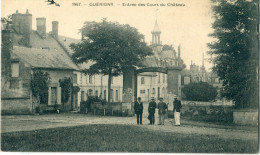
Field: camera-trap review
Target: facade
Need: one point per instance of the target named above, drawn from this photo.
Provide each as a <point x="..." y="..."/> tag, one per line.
<point x="199" y="74"/>
<point x="24" y="51"/>
<point x="149" y="84"/>
<point x="154" y="84"/>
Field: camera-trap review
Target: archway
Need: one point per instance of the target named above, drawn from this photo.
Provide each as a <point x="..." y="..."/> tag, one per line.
<point x="130" y="81"/>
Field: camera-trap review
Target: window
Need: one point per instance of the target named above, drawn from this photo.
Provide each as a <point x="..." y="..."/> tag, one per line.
<point x="163" y="78"/>
<point x="75" y="78"/>
<point x="116" y="95"/>
<point x="159" y="78"/>
<point x="142" y="80"/>
<point x="90" y="79"/>
<point x="14" y="84"/>
<point x="96" y="93"/>
<point x="105" y="94"/>
<point x="90" y="92"/>
<point x="82" y="95"/>
<point x="153" y="92"/>
<point x="142" y="91"/>
<point x="15" y="69"/>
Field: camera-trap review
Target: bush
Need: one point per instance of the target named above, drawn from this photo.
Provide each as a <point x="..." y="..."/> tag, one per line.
<point x="40" y="85"/>
<point x="201" y="91"/>
<point x="92" y="100"/>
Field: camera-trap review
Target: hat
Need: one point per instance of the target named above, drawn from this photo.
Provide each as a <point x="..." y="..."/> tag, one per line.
<point x="139" y="98"/>
<point x="175" y="96"/>
<point x="152" y="98"/>
<point x="160" y="98"/>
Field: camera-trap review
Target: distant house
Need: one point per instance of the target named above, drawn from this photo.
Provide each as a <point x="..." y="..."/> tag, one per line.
<point x="24" y="51"/>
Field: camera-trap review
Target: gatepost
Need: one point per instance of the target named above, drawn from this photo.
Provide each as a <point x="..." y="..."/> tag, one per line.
<point x="129" y="90"/>
<point x="173" y="82"/>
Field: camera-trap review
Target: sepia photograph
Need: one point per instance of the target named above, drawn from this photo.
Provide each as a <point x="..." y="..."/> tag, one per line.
<point x="130" y="76"/>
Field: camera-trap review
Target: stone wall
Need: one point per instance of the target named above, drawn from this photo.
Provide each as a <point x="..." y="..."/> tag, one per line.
<point x="246" y="117"/>
<point x="17" y="106"/>
<point x="205" y="111"/>
<point x="16" y="91"/>
<point x="112" y="109"/>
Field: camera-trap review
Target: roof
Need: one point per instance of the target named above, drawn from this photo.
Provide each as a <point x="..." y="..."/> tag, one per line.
<point x="43" y="58"/>
<point x="66" y="41"/>
<point x="168" y="54"/>
<point x="50" y="51"/>
<point x="156" y="27"/>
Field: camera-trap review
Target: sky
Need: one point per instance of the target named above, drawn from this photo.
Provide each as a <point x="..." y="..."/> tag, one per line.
<point x="187" y="25"/>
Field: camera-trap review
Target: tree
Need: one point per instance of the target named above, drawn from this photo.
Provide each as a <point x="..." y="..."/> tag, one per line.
<point x="66" y="86"/>
<point x="235" y="50"/>
<point x="111" y="47"/>
<point x="201" y="91"/>
<point x="7" y="20"/>
<point x="40" y="85"/>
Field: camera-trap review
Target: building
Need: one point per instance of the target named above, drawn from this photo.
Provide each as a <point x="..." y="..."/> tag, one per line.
<point x="25" y="51"/>
<point x="149" y="84"/>
<point x="197" y="74"/>
<point x="154" y="84"/>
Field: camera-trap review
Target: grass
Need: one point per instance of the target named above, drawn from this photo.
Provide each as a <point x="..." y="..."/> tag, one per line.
<point x="119" y="138"/>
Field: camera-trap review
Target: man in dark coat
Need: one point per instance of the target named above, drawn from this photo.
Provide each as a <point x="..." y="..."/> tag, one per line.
<point x="138" y="107"/>
<point x="177" y="109"/>
<point x="162" y="111"/>
<point x="151" y="110"/>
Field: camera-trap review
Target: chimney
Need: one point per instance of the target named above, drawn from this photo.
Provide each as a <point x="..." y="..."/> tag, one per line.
<point x="25" y="22"/>
<point x="26" y="28"/>
<point x="41" y="26"/>
<point x="7" y="46"/>
<point x="55" y="29"/>
<point x="26" y="35"/>
<point x="19" y="21"/>
<point x="16" y="21"/>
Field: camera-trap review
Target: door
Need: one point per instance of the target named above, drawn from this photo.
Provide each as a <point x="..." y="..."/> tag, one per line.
<point x="53" y="95"/>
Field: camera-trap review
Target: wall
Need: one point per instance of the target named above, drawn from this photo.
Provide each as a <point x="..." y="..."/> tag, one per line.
<point x="16" y="91"/>
<point x="17" y="106"/>
<point x="205" y="111"/>
<point x="154" y="80"/>
<point x="56" y="75"/>
<point x="99" y="84"/>
<point x="246" y="117"/>
<point x="114" y="109"/>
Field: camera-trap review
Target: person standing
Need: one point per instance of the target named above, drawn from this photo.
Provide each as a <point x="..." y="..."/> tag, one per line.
<point x="177" y="110"/>
<point x="138" y="107"/>
<point x="162" y="111"/>
<point x="151" y="110"/>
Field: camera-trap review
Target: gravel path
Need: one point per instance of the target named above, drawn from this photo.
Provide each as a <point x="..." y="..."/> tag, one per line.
<point x="33" y="122"/>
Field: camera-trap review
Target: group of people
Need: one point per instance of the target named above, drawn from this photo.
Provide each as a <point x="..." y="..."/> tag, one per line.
<point x="162" y="110"/>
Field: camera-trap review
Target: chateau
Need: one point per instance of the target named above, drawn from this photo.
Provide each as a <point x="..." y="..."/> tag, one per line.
<point x="25" y="51"/>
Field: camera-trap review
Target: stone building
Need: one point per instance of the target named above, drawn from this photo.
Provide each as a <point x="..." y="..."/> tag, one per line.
<point x="94" y="85"/>
<point x="154" y="84"/>
<point x="24" y="51"/>
<point x="150" y="84"/>
<point x="197" y="74"/>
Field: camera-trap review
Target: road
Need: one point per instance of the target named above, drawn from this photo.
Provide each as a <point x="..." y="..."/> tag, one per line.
<point x="16" y="123"/>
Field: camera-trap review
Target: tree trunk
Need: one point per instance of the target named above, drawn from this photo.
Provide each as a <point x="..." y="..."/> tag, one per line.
<point x="109" y="85"/>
